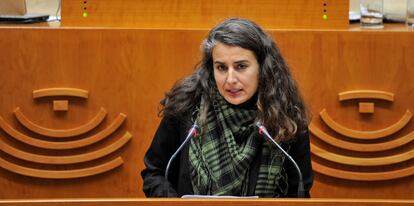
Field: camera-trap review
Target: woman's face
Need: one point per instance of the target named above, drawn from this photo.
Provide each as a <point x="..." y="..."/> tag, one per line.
<point x="236" y="72"/>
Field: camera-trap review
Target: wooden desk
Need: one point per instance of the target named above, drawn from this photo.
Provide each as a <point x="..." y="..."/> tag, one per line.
<point x="183" y="14"/>
<point x="207" y="202"/>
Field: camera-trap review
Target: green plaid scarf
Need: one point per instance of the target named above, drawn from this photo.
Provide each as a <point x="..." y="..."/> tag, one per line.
<point x="221" y="156"/>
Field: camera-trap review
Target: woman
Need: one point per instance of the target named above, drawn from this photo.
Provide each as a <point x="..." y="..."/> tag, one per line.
<point x="242" y="79"/>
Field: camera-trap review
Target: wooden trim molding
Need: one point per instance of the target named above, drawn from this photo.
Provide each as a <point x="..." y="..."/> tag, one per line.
<point x="376" y="147"/>
<point x="94" y="122"/>
<point x="50" y="92"/>
<point x="366" y="107"/>
<point x="362" y="176"/>
<point x="376" y="134"/>
<point x="64" y="145"/>
<point x="66" y="159"/>
<point x="60" y="105"/>
<point x="366" y="94"/>
<point x="61" y="174"/>
<point x="208" y="201"/>
<point x="360" y="161"/>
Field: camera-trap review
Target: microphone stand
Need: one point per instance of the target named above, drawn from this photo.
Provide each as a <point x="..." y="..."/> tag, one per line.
<point x="301" y="190"/>
<point x="191" y="132"/>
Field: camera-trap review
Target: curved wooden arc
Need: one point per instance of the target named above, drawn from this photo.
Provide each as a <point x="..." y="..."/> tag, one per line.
<point x="366" y="94"/>
<point x="94" y="122"/>
<point x="61" y="174"/>
<point x="376" y="134"/>
<point x="361" y="147"/>
<point x="65" y="159"/>
<point x="64" y="145"/>
<point x="360" y="161"/>
<point x="363" y="176"/>
<point x="50" y="92"/>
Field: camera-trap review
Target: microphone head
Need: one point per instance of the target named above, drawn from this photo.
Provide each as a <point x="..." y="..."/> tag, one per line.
<point x="194" y="129"/>
<point x="262" y="129"/>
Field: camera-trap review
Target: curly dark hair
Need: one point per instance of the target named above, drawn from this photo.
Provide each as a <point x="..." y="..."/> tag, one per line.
<point x="280" y="107"/>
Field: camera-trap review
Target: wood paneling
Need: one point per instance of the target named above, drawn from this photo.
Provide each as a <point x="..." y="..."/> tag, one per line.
<point x="124" y="71"/>
<point x="128" y="71"/>
<point x="205" y="14"/>
<point x="326" y="63"/>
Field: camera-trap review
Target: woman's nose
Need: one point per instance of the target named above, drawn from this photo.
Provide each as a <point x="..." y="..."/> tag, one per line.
<point x="231" y="76"/>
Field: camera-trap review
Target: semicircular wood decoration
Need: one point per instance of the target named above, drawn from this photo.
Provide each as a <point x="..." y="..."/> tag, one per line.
<point x="61" y="174"/>
<point x="363" y="176"/>
<point x="366" y="134"/>
<point x="365" y="143"/>
<point x="360" y="147"/>
<point x="72" y="159"/>
<point x="63" y="143"/>
<point x="94" y="122"/>
<point x="67" y="144"/>
<point x="360" y="161"/>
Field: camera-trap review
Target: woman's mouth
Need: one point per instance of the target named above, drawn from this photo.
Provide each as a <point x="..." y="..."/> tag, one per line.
<point x="234" y="92"/>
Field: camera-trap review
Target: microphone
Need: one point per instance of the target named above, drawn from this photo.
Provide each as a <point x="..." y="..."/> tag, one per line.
<point x="191" y="132"/>
<point x="301" y="190"/>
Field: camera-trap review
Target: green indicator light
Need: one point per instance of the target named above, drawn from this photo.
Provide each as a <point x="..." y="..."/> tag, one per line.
<point x="85" y="14"/>
<point x="325" y="17"/>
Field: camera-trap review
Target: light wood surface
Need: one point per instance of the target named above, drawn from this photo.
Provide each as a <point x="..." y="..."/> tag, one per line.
<point x="205" y="14"/>
<point x="128" y="71"/>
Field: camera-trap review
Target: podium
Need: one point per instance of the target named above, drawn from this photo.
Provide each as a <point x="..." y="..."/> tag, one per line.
<point x="114" y="78"/>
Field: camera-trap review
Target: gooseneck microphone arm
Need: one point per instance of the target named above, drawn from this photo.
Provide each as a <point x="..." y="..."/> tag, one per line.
<point x="192" y="132"/>
<point x="301" y="190"/>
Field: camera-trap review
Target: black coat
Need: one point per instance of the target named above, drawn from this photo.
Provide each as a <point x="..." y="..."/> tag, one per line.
<point x="172" y="132"/>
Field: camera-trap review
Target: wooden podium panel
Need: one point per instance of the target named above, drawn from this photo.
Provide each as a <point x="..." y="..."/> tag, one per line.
<point x="126" y="72"/>
<point x="205" y="14"/>
<point x="327" y="64"/>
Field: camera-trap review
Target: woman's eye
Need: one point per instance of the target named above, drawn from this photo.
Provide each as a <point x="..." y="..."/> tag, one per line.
<point x="241" y="66"/>
<point x="221" y="67"/>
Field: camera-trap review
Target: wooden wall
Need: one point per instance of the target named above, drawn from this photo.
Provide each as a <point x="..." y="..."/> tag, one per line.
<point x="128" y="70"/>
